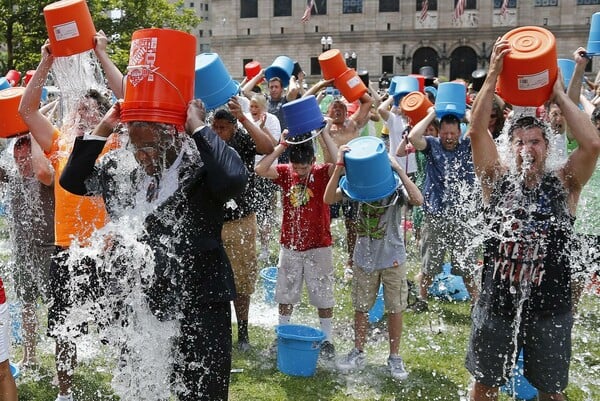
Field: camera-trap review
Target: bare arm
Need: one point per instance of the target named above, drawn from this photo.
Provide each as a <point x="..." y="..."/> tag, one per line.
<point x="40" y="127"/>
<point x="384" y="108"/>
<point x="293" y="89"/>
<point x="318" y="87"/>
<point x="113" y="75"/>
<point x="247" y="88"/>
<point x="416" y="136"/>
<point x="264" y="141"/>
<point x="265" y="167"/>
<point x="361" y="117"/>
<point x="414" y="195"/>
<point x="333" y="193"/>
<point x="43" y="170"/>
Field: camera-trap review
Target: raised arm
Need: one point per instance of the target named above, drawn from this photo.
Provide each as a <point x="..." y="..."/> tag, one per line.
<point x="265" y="167"/>
<point x="412" y="192"/>
<point x="43" y="170"/>
<point x="262" y="140"/>
<point x="333" y="193"/>
<point x="114" y="77"/>
<point x="318" y="87"/>
<point x="40" y="127"/>
<point x="384" y="108"/>
<point x="416" y="136"/>
<point x="485" y="154"/>
<point x="361" y="117"/>
<point x="247" y="88"/>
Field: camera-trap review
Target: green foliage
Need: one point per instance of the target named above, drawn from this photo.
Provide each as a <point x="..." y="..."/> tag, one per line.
<point x="23" y="30"/>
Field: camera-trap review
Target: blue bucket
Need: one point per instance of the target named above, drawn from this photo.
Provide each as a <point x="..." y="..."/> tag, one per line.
<point x="448" y="286"/>
<point x="282" y="68"/>
<point x="403" y="85"/>
<point x="302" y="116"/>
<point x="298" y="349"/>
<point x="14" y="371"/>
<point x="566" y="66"/>
<point x="269" y="278"/>
<point x="376" y="311"/>
<point x="451" y="99"/>
<point x="593" y="44"/>
<point x="4" y="84"/>
<point x="523" y="390"/>
<point x="212" y="82"/>
<point x="369" y="175"/>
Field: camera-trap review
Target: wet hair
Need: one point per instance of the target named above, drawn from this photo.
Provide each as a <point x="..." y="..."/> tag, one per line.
<point x="450" y="119"/>
<point x="223" y="114"/>
<point x="529" y="122"/>
<point x="101" y="100"/>
<point x="302" y="153"/>
<point x="276" y="79"/>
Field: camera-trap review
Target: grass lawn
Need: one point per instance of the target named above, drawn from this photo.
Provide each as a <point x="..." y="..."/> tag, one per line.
<point x="433" y="347"/>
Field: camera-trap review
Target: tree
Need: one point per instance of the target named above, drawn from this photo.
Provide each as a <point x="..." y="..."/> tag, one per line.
<point x="23" y="29"/>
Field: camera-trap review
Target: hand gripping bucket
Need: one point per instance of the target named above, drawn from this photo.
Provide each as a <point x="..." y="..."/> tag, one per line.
<point x="282" y="68"/>
<point x="593" y="44"/>
<point x="160" y="81"/>
<point x="566" y="67"/>
<point x="376" y="311"/>
<point x="332" y="64"/>
<point x="70" y="27"/>
<point x="213" y="83"/>
<point x="298" y="349"/>
<point x="302" y="116"/>
<point x="350" y="85"/>
<point x="530" y="69"/>
<point x="415" y="106"/>
<point x="451" y="99"/>
<point x="269" y="279"/>
<point x="369" y="174"/>
<point x="11" y="123"/>
<point x="518" y="385"/>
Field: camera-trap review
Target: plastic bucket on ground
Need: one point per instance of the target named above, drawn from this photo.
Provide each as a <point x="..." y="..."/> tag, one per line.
<point x="302" y="116"/>
<point x="566" y="67"/>
<point x="369" y="175"/>
<point x="13" y="77"/>
<point x="298" y="349"/>
<point x="518" y="385"/>
<point x="415" y="106"/>
<point x="70" y="27"/>
<point x="282" y="68"/>
<point x="350" y="85"/>
<point x="451" y="99"/>
<point x="530" y="69"/>
<point x="14" y="371"/>
<point x="11" y="123"/>
<point x="332" y="64"/>
<point x="376" y="311"/>
<point x="213" y="84"/>
<point x="269" y="279"/>
<point x="448" y="286"/>
<point x="593" y="44"/>
<point x="160" y="81"/>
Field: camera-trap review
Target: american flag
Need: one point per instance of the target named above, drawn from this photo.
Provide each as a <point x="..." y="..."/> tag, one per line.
<point x="459" y="9"/>
<point x="424" y="8"/>
<point x="309" y="5"/>
<point x="504" y="8"/>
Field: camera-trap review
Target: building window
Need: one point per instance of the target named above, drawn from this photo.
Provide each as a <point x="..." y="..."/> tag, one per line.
<point x="282" y="8"/>
<point x="586" y="3"/>
<point x="352" y="6"/>
<point x="387" y="64"/>
<point x="210" y="33"/>
<point x="469" y="4"/>
<point x="319" y="7"/>
<point x="249" y="9"/>
<point x="206" y="7"/>
<point x="386" y="6"/>
<point x="315" y="67"/>
<point x="192" y="5"/>
<point x="545" y="3"/>
<point x="201" y="33"/>
<point x="431" y="5"/>
<point x="511" y="4"/>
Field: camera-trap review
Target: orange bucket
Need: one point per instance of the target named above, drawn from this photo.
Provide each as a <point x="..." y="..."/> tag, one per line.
<point x="160" y="78"/>
<point x="530" y="68"/>
<point x="350" y="85"/>
<point x="11" y="123"/>
<point x="70" y="27"/>
<point x="415" y="106"/>
<point x="332" y="64"/>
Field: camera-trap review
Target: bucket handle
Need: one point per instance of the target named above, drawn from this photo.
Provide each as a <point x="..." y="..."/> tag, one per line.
<point x="155" y="71"/>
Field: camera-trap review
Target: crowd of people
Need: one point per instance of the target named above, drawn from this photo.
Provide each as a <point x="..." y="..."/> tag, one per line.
<point x="210" y="193"/>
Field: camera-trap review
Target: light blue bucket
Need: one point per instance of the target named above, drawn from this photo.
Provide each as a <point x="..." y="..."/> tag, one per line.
<point x="298" y="349"/>
<point x="302" y="116"/>
<point x="451" y="99"/>
<point x="4" y="84"/>
<point x="369" y="175"/>
<point x="447" y="286"/>
<point x="518" y="385"/>
<point x="269" y="279"/>
<point x="593" y="44"/>
<point x="282" y="68"/>
<point x="402" y="86"/>
<point x="212" y="82"/>
<point x="566" y="66"/>
<point x="376" y="311"/>
<point x="14" y="371"/>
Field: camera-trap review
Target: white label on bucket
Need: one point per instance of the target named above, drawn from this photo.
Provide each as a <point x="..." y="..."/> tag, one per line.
<point x="534" y="81"/>
<point x="66" y="31"/>
<point x="352" y="82"/>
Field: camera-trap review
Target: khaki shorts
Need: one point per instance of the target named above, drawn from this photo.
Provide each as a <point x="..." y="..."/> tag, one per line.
<point x="315" y="267"/>
<point x="366" y="285"/>
<point x="239" y="240"/>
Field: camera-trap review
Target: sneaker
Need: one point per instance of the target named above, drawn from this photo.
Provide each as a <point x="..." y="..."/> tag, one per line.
<point x="327" y="350"/>
<point x="396" y="366"/>
<point x="354" y="360"/>
<point x="420" y="305"/>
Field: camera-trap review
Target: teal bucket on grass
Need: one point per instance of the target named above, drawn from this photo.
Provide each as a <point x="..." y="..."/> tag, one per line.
<point x="451" y="99"/>
<point x="212" y="82"/>
<point x="298" y="349"/>
<point x="269" y="278"/>
<point x="376" y="311"/>
<point x="518" y="385"/>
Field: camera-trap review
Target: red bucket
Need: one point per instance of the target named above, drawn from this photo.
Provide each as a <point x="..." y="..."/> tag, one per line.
<point x="332" y="64"/>
<point x="530" y="68"/>
<point x="28" y="76"/>
<point x="160" y="81"/>
<point x="415" y="106"/>
<point x="70" y="27"/>
<point x="13" y="77"/>
<point x="11" y="123"/>
<point x="252" y="69"/>
<point x="350" y="85"/>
